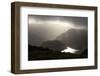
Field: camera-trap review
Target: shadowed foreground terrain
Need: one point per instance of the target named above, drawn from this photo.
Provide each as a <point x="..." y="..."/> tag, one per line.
<point x="40" y="53"/>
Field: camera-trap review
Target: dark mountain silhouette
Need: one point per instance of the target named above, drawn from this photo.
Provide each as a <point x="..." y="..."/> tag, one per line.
<point x="55" y="45"/>
<point x="74" y="38"/>
<point x="48" y="50"/>
<point x="40" y="53"/>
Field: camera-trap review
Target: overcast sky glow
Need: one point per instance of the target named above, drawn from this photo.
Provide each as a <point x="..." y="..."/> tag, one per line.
<point x="49" y="27"/>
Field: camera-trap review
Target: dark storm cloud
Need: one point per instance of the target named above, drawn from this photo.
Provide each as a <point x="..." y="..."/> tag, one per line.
<point x="42" y="28"/>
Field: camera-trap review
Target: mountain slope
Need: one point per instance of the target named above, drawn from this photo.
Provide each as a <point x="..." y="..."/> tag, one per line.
<point x="74" y="38"/>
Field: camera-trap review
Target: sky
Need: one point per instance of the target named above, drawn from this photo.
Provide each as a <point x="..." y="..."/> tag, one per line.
<point x="42" y="27"/>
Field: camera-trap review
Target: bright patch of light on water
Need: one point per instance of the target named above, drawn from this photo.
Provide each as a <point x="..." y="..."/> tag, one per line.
<point x="69" y="50"/>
